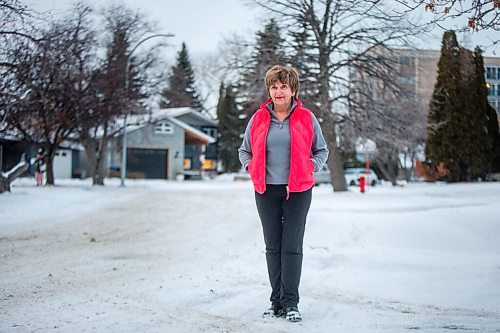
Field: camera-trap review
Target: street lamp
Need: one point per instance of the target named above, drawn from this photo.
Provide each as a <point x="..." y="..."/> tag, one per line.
<point x="124" y="143"/>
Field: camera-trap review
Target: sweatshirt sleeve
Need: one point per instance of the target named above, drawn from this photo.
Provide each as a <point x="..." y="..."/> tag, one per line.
<point x="319" y="149"/>
<point x="245" y="150"/>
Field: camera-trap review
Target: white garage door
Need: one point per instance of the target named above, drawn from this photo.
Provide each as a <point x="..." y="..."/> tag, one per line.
<point x="62" y="164"/>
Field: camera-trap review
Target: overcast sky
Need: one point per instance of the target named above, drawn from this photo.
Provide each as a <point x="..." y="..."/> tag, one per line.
<point x="200" y="23"/>
<point x="203" y="23"/>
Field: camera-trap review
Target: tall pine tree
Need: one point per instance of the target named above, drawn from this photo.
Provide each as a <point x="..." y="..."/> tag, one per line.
<point x="445" y="103"/>
<point x="479" y="150"/>
<point x="304" y="60"/>
<point x="269" y="51"/>
<point x="181" y="90"/>
<point x="230" y="129"/>
<point x="458" y="118"/>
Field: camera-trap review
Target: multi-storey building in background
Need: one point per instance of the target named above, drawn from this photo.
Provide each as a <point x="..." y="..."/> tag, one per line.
<point x="419" y="68"/>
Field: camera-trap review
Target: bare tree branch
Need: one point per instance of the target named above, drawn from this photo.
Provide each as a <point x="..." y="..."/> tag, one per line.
<point x="476" y="14"/>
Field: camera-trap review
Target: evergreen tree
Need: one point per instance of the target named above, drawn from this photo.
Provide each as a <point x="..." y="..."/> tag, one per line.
<point x="269" y="51"/>
<point x="478" y="151"/>
<point x="220" y="101"/>
<point x="181" y="90"/>
<point x="230" y="129"/>
<point x="445" y="104"/>
<point x="304" y="60"/>
<point x="458" y="116"/>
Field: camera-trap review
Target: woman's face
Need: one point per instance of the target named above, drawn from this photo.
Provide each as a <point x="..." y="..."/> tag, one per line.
<point x="281" y="94"/>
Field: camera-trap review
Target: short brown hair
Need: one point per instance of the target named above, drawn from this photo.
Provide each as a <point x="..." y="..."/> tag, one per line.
<point x="284" y="74"/>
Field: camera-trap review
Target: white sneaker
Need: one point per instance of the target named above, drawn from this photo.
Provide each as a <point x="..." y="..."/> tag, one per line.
<point x="292" y="314"/>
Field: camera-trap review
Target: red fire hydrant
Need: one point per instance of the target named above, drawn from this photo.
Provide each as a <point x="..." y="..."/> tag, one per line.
<point x="362" y="183"/>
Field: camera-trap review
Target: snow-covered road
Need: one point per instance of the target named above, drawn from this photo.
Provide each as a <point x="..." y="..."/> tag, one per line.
<point x="189" y="257"/>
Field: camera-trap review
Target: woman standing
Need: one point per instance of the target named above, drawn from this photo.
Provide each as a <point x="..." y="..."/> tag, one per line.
<point x="282" y="147"/>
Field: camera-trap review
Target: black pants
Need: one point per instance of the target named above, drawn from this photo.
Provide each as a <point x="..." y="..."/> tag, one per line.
<point x="283" y="222"/>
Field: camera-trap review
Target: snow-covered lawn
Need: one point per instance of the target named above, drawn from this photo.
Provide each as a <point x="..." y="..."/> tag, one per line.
<point x="161" y="256"/>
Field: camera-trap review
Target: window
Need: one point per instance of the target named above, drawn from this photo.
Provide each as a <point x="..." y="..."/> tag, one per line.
<point x="491" y="73"/>
<point x="210" y="131"/>
<point x="164" y="128"/>
<point x="405" y="61"/>
<point x="209" y="164"/>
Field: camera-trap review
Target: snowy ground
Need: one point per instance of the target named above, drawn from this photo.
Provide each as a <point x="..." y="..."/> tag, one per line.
<point x="189" y="257"/>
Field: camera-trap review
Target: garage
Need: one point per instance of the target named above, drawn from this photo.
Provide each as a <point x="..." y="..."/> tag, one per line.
<point x="147" y="163"/>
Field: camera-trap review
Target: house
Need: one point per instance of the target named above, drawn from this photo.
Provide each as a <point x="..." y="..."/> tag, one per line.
<point x="70" y="160"/>
<point x="176" y="143"/>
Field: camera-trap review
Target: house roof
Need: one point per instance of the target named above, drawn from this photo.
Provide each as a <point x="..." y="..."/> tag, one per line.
<point x="192" y="131"/>
<point x="177" y="112"/>
<point x="135" y="122"/>
<point x="10" y="136"/>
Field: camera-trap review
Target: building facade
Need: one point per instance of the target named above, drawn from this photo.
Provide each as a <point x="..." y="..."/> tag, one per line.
<point x="420" y="67"/>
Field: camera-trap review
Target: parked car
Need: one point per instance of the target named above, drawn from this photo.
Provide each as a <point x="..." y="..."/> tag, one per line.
<point x="351" y="176"/>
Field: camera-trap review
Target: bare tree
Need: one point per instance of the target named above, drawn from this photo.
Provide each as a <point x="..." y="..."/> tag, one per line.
<point x="119" y="84"/>
<point x="15" y="28"/>
<point x="72" y="94"/>
<point x="344" y="32"/>
<point x="50" y="69"/>
<point x="15" y="22"/>
<point x="397" y="130"/>
<point x="226" y="64"/>
<point x="480" y="14"/>
<point x="386" y="108"/>
<point x="209" y="70"/>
